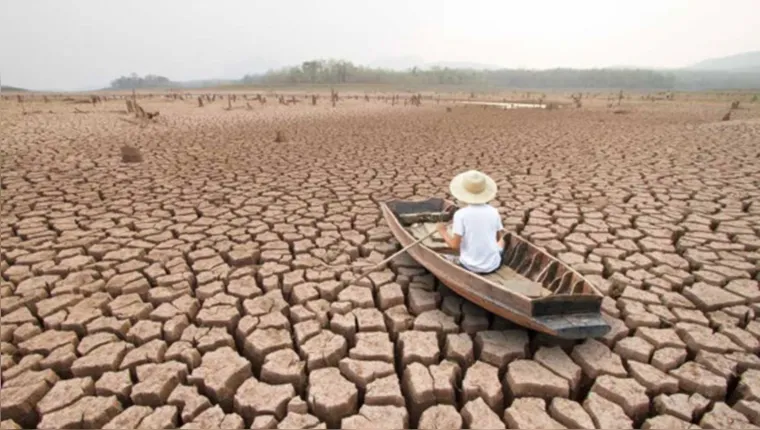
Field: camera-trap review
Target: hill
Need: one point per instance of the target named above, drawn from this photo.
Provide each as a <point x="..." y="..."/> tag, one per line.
<point x="744" y="62"/>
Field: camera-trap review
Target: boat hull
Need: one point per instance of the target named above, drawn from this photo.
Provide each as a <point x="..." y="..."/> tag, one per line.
<point x="584" y="319"/>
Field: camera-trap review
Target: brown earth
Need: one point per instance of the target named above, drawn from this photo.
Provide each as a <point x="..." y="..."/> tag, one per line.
<point x="201" y="287"/>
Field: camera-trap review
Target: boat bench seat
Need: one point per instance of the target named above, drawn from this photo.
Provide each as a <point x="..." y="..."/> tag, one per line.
<point x="424" y="217"/>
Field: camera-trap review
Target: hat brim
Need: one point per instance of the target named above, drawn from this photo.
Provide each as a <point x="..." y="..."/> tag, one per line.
<point x="460" y="193"/>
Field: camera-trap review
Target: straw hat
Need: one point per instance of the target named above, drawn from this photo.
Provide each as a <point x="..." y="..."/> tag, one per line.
<point x="473" y="187"/>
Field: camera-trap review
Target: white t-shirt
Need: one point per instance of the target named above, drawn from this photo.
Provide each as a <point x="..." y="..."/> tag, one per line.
<point x="478" y="225"/>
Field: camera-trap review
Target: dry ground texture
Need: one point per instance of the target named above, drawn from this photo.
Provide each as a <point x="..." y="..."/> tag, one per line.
<point x="200" y="288"/>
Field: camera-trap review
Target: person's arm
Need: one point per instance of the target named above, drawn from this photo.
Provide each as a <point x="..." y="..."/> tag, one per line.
<point x="453" y="241"/>
<point x="500" y="230"/>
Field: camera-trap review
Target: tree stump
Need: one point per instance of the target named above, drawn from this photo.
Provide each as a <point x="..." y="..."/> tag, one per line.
<point x="130" y="154"/>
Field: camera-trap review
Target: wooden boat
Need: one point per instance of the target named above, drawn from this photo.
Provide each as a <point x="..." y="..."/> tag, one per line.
<point x="532" y="288"/>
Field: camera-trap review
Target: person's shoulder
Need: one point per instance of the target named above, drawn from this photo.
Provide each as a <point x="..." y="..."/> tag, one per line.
<point x="493" y="211"/>
<point x="464" y="212"/>
<point x="461" y="212"/>
<point x="487" y="208"/>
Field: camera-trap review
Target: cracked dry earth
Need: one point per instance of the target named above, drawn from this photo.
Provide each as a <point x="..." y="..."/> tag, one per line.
<point x="202" y="287"/>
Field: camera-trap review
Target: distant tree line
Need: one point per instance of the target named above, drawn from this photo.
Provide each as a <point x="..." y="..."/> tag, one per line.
<point x="316" y="72"/>
<point x="137" y="82"/>
<point x="12" y="89"/>
<point x="696" y="80"/>
<point x="336" y="72"/>
<point x="345" y="72"/>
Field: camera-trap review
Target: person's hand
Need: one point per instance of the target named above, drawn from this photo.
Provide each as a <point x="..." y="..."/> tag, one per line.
<point x="441" y="227"/>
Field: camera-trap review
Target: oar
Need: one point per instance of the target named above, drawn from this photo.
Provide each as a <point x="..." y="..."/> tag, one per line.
<point x="380" y="264"/>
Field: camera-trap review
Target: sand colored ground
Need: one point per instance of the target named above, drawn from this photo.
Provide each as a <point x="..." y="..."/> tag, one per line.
<point x="200" y="288"/>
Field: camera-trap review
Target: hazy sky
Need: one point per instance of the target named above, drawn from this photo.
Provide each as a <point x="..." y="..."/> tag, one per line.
<point x="76" y="44"/>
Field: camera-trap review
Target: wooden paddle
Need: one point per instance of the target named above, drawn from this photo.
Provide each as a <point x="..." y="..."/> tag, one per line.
<point x="380" y="264"/>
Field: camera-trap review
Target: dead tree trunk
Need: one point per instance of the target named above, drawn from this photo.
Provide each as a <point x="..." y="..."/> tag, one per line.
<point x="130" y="154"/>
<point x="577" y="99"/>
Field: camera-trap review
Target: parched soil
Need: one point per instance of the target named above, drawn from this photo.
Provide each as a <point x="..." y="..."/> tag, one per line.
<point x="201" y="284"/>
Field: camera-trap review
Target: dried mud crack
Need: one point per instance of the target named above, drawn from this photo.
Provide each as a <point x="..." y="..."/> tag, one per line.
<point x="204" y="286"/>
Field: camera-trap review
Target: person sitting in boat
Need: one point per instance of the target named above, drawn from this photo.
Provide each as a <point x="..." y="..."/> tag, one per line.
<point x="477" y="227"/>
